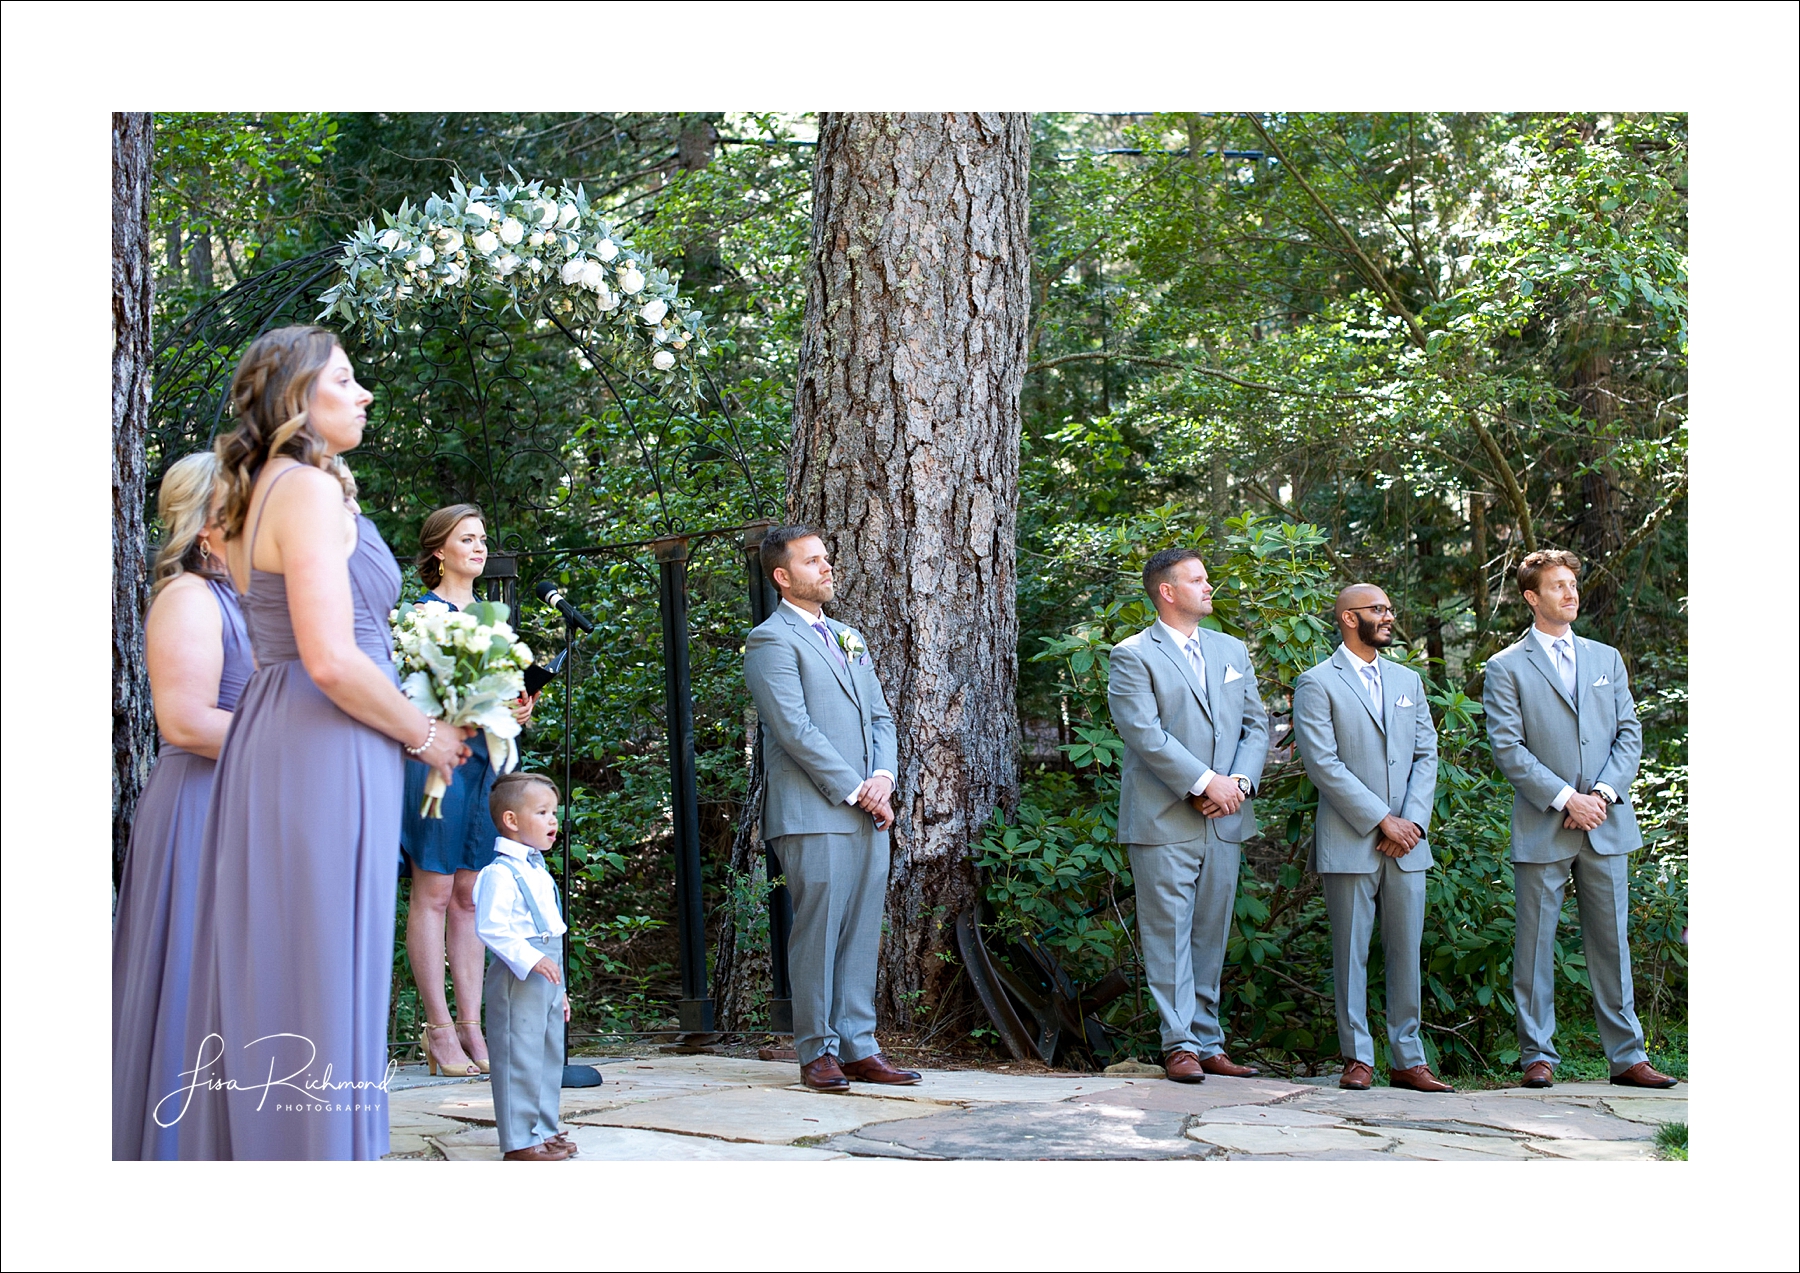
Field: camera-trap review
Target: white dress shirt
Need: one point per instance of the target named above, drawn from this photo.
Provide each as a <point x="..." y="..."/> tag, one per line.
<point x="1374" y="666"/>
<point x="1197" y="659"/>
<point x="809" y="619"/>
<point x="502" y="919"/>
<point x="1548" y="643"/>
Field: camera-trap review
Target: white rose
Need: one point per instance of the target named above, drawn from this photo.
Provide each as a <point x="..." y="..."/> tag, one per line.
<point x="571" y="244"/>
<point x="593" y="276"/>
<point x="454" y="275"/>
<point x="535" y="265"/>
<point x="654" y="311"/>
<point x="511" y="231"/>
<point x="546" y="214"/>
<point x="606" y="249"/>
<point x="537" y="239"/>
<point x="426" y="257"/>
<point x="506" y="264"/>
<point x="481" y="210"/>
<point x="389" y="239"/>
<point x="571" y="217"/>
<point x="663" y="360"/>
<point x="486" y="243"/>
<point x="571" y="272"/>
<point x="522" y="654"/>
<point x="608" y="300"/>
<point x="449" y="240"/>
<point x="631" y="280"/>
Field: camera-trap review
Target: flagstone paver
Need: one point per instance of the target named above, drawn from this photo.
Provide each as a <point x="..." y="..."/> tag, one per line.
<point x="665" y="1107"/>
<point x="774" y="1116"/>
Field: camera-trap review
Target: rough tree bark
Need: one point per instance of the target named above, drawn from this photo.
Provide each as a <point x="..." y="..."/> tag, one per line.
<point x="906" y="454"/>
<point x="134" y="728"/>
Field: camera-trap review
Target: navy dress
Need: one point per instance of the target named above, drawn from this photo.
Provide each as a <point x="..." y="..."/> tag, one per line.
<point x="153" y="934"/>
<point x="463" y="839"/>
<point x="294" y="944"/>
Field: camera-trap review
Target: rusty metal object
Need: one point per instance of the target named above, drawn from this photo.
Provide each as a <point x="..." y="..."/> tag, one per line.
<point x="1035" y="1006"/>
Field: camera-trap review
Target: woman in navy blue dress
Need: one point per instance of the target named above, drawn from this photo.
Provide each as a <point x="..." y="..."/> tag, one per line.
<point x="447" y="853"/>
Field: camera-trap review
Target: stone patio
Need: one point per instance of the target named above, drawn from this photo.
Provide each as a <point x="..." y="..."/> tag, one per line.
<point x="664" y="1107"/>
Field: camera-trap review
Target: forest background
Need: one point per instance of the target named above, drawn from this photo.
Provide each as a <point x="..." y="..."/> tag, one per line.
<point x="1318" y="347"/>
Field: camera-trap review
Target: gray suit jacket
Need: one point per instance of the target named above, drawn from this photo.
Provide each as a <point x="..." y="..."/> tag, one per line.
<point x="1543" y="742"/>
<point x="825" y="727"/>
<point x="1172" y="736"/>
<point x="1365" y="767"/>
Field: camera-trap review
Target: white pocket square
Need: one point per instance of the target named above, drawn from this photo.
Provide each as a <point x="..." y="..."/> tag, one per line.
<point x="1403" y="701"/>
<point x="1600" y="682"/>
<point x="1232" y="674"/>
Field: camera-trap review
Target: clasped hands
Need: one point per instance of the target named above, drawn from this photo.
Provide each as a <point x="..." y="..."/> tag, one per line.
<point x="1584" y="813"/>
<point x="1221" y="798"/>
<point x="873" y="800"/>
<point x="1398" y="836"/>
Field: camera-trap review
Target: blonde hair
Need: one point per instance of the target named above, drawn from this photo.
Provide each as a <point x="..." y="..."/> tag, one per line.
<point x="269" y="392"/>
<point x="435" y="533"/>
<point x="182" y="504"/>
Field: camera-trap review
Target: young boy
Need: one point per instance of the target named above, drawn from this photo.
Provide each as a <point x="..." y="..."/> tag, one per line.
<point x="517" y="917"/>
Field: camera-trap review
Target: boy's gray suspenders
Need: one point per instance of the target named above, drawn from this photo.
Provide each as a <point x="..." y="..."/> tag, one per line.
<point x="537" y="915"/>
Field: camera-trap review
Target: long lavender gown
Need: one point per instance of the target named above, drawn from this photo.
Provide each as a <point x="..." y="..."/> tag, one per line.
<point x="153" y="931"/>
<point x="296" y="908"/>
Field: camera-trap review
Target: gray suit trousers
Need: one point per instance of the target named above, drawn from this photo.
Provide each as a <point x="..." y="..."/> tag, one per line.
<point x="1352" y="901"/>
<point x="1184" y="906"/>
<point x="838" y="883"/>
<point x="525" y="1050"/>
<point x="1602" y="896"/>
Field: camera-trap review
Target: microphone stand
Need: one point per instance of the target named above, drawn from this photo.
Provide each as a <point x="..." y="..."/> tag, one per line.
<point x="572" y="1075"/>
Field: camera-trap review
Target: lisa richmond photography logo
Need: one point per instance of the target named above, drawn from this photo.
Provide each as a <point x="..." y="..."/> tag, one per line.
<point x="294" y="1091"/>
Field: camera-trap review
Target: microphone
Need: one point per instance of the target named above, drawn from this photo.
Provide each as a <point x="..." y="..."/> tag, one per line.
<point x="548" y="592"/>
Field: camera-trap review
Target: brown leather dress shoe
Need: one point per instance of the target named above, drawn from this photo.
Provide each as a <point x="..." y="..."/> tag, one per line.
<point x="1183" y="1067"/>
<point x="1537" y="1074"/>
<point x="823" y="1074"/>
<point x="1419" y="1078"/>
<point x="875" y="1069"/>
<point x="1219" y="1063"/>
<point x="548" y="1151"/>
<point x="1356" y="1077"/>
<point x="1641" y="1075"/>
<point x="562" y="1139"/>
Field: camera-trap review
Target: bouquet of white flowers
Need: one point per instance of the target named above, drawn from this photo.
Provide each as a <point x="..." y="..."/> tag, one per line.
<point x="463" y="667"/>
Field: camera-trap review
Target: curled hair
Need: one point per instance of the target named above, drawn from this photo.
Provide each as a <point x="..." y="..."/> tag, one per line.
<point x="1531" y="570"/>
<point x="269" y="392"/>
<point x="511" y="790"/>
<point x="435" y="533"/>
<point x="182" y="503"/>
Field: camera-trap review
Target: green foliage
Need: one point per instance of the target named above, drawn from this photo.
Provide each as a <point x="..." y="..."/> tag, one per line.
<point x="1672" y="1141"/>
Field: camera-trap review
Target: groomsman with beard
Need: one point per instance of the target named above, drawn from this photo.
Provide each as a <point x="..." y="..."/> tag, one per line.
<point x="1366" y="738"/>
<point x="1196" y="736"/>
<point x="1565" y="732"/>
<point x="829" y="760"/>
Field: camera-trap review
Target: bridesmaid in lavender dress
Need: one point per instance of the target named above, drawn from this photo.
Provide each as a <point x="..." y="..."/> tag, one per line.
<point x="287" y="1024"/>
<point x="199" y="660"/>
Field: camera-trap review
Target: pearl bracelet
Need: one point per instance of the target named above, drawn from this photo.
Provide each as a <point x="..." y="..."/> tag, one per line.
<point x="430" y="734"/>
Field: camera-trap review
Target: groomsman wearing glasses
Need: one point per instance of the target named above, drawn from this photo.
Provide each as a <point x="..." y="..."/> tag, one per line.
<point x="1365" y="736"/>
<point x="1184" y="702"/>
<point x="1565" y="732"/>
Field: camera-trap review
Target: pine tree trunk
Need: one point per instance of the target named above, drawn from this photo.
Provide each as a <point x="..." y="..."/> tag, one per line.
<point x="134" y="726"/>
<point x="906" y="454"/>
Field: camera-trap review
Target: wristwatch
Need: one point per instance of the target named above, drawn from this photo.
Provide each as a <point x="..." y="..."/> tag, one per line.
<point x="1244" y="785"/>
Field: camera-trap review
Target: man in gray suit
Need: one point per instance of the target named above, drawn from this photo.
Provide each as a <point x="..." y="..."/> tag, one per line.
<point x="1184" y="701"/>
<point x="1366" y="738"/>
<point x="1565" y="732"/>
<point x="829" y="760"/>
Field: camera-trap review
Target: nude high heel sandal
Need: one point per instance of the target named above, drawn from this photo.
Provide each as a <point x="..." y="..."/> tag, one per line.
<point x="479" y="1064"/>
<point x="431" y="1062"/>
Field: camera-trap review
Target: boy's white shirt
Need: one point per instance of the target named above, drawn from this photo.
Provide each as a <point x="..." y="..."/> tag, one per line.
<point x="502" y="920"/>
